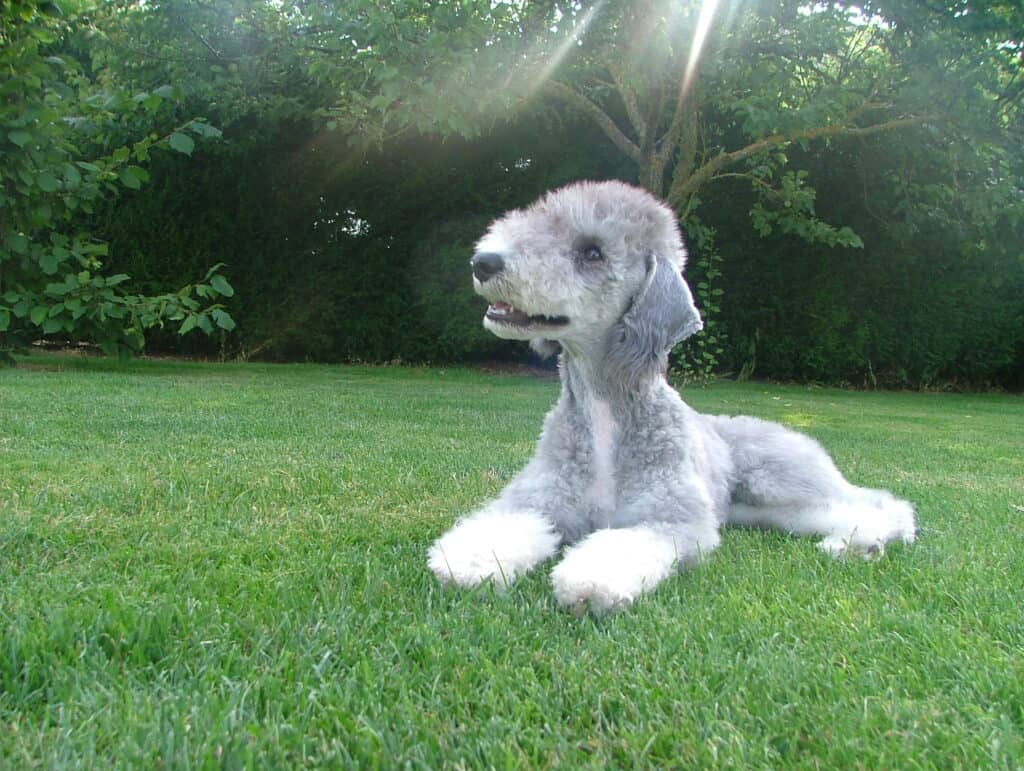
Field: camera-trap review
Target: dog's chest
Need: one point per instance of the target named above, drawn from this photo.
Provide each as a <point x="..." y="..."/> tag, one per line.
<point x="603" y="432"/>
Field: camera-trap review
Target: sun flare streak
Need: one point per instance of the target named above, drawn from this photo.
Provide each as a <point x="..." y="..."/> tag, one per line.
<point x="571" y="40"/>
<point x="700" y="34"/>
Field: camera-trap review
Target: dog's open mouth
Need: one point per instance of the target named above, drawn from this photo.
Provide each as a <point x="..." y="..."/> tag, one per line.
<point x="504" y="313"/>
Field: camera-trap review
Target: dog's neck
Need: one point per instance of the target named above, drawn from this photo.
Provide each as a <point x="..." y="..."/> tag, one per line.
<point x="588" y="375"/>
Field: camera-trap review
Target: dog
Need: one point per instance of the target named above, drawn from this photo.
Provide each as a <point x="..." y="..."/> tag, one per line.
<point x="629" y="479"/>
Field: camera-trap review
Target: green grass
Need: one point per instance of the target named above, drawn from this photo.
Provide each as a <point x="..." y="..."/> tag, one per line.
<point x="223" y="566"/>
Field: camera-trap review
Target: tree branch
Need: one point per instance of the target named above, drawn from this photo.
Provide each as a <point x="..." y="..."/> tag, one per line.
<point x="598" y="115"/>
<point x="217" y="54"/>
<point x="751" y="177"/>
<point x="683" y="187"/>
<point x="684" y="111"/>
<point x="629" y="99"/>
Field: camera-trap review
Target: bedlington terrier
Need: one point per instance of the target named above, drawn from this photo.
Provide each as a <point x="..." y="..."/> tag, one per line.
<point x="633" y="481"/>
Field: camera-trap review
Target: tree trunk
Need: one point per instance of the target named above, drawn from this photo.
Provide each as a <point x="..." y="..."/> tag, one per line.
<point x="652" y="174"/>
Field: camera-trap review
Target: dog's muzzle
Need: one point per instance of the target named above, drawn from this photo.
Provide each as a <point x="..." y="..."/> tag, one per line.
<point x="487" y="265"/>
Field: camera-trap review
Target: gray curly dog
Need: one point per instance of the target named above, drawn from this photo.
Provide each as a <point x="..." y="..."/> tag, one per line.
<point x="625" y="474"/>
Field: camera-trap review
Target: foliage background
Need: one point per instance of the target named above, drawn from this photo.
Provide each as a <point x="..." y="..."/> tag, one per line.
<point x="366" y="144"/>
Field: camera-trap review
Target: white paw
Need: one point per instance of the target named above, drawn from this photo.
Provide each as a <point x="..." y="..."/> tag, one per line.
<point x="888" y="519"/>
<point x="611" y="568"/>
<point x="492" y="546"/>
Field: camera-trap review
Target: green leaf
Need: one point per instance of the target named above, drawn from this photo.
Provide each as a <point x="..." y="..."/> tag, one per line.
<point x="204" y="129"/>
<point x="130" y="180"/>
<point x="17" y="243"/>
<point x="47" y="182"/>
<point x="71" y="174"/>
<point x="120" y="154"/>
<point x="223" y="319"/>
<point x="38" y="314"/>
<point x="49" y="261"/>
<point x="133" y="176"/>
<point x="183" y="143"/>
<point x="134" y="338"/>
<point x="19" y="137"/>
<point x="98" y="249"/>
<point x="5" y="319"/>
<point x="187" y="325"/>
<point x="222" y="286"/>
<point x="165" y="92"/>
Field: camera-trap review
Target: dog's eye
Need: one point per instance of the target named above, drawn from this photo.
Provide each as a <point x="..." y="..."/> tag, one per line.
<point x="591" y="254"/>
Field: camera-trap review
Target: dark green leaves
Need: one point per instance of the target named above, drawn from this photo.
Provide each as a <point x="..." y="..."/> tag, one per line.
<point x="66" y="141"/>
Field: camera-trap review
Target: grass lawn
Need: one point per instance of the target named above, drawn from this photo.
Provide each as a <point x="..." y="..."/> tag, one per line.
<point x="223" y="566"/>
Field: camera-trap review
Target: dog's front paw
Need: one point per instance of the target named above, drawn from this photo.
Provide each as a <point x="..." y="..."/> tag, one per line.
<point x="611" y="568"/>
<point x="580" y="592"/>
<point x="492" y="546"/>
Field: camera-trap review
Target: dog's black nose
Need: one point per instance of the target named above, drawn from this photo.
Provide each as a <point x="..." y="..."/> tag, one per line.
<point x="486" y="265"/>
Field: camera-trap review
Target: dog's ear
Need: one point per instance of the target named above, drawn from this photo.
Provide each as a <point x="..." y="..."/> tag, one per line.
<point x="662" y="313"/>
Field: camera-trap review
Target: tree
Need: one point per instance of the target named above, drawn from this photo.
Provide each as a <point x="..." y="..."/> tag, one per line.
<point x="354" y="130"/>
<point x="695" y="94"/>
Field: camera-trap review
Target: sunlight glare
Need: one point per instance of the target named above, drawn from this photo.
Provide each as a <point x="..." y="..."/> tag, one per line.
<point x="566" y="46"/>
<point x="700" y="33"/>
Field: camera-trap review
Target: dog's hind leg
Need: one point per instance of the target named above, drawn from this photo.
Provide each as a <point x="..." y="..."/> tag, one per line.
<point x="786" y="480"/>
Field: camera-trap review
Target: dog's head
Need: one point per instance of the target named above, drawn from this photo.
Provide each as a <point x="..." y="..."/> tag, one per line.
<point x="593" y="263"/>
